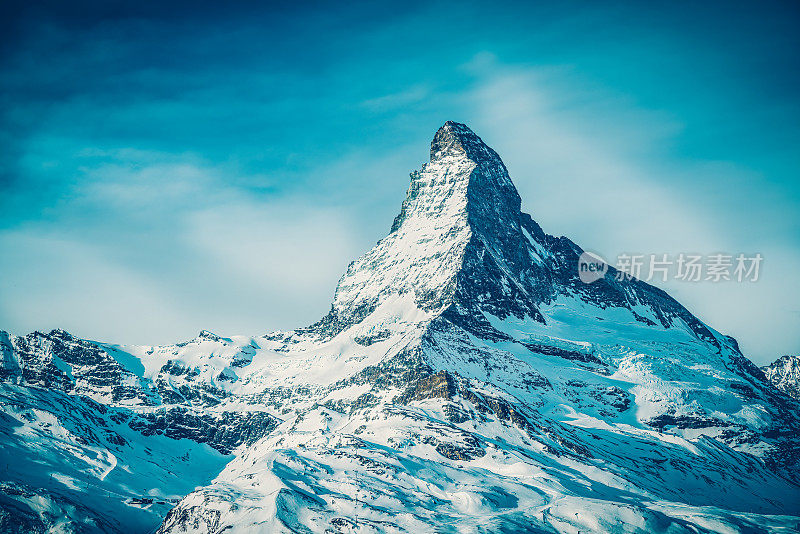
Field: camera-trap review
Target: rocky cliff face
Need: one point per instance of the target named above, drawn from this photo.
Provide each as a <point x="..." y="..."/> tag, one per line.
<point x="464" y="379"/>
<point x="784" y="373"/>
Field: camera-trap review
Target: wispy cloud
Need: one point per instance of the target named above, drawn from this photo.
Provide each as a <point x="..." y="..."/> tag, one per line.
<point x="601" y="171"/>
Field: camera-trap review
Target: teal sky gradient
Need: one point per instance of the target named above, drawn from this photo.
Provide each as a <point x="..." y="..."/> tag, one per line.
<point x="170" y="169"/>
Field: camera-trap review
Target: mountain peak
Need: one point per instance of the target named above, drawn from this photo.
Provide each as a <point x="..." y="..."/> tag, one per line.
<point x="461" y="213"/>
<point x="784" y="373"/>
<point x="456" y="140"/>
<point x="461" y="248"/>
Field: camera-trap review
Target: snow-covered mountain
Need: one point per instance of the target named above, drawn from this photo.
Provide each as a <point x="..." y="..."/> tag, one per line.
<point x="464" y="380"/>
<point x="785" y="374"/>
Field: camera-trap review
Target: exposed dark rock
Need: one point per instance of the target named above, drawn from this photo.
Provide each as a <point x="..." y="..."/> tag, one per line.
<point x="223" y="431"/>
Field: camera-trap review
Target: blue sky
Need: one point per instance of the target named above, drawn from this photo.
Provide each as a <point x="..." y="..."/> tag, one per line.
<point x="165" y="170"/>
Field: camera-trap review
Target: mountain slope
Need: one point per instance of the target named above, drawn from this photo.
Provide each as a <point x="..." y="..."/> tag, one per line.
<point x="464" y="379"/>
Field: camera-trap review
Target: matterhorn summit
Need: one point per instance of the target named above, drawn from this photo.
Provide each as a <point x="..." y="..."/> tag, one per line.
<point x="461" y="215"/>
<point x="464" y="379"/>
